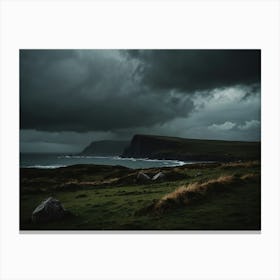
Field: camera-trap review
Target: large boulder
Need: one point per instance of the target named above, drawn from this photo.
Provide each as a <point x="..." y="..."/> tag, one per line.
<point x="142" y="178"/>
<point x="49" y="210"/>
<point x="159" y="177"/>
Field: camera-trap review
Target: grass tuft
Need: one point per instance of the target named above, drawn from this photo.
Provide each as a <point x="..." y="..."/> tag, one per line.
<point x="185" y="195"/>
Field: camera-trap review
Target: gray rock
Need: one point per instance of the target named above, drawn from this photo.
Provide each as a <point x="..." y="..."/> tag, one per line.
<point x="159" y="177"/>
<point x="143" y="177"/>
<point x="49" y="210"/>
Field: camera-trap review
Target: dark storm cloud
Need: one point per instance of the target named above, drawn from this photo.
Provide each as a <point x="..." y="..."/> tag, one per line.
<point x="89" y="90"/>
<point x="69" y="98"/>
<point x="194" y="70"/>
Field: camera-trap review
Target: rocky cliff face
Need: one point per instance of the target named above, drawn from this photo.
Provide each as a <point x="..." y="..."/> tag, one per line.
<point x="105" y="148"/>
<point x="161" y="147"/>
<point x="150" y="146"/>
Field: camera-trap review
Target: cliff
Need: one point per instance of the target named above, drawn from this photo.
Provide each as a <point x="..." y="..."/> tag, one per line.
<point x="105" y="148"/>
<point x="162" y="147"/>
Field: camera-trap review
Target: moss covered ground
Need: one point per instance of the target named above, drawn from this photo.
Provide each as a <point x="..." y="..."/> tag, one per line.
<point x="109" y="198"/>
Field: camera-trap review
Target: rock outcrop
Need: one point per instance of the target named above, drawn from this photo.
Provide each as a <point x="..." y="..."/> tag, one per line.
<point x="49" y="210"/>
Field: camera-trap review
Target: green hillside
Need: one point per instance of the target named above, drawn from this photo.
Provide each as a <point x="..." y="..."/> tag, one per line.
<point x="108" y="197"/>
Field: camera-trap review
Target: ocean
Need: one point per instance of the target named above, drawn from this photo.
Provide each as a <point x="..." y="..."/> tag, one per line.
<point x="59" y="160"/>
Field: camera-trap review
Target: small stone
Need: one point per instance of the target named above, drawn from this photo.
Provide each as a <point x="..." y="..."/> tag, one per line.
<point x="142" y="177"/>
<point x="159" y="177"/>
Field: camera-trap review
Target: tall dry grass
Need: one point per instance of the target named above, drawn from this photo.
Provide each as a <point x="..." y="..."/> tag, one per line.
<point x="246" y="164"/>
<point x="185" y="195"/>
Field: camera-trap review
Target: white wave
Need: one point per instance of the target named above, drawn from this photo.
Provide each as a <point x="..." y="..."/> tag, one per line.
<point x="118" y="158"/>
<point x="97" y="157"/>
<point x="167" y="162"/>
<point x="45" y="166"/>
<point x="121" y="158"/>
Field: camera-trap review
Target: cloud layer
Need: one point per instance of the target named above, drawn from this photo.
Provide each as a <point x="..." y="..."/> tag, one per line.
<point x="71" y="97"/>
<point x="194" y="70"/>
<point x="90" y="90"/>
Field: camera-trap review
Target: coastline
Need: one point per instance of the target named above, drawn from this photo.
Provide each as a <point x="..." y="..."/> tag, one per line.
<point x="69" y="160"/>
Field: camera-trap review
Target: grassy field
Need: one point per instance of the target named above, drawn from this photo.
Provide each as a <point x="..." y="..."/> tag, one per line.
<point x="108" y="198"/>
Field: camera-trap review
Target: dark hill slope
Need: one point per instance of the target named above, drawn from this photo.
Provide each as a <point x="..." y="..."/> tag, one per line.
<point x="162" y="147"/>
<point x="105" y="148"/>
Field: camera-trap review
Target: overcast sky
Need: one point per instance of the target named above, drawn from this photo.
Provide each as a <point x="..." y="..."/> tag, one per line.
<point x="69" y="98"/>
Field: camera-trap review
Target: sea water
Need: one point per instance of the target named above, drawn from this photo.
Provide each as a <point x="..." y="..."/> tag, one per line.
<point x="59" y="160"/>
